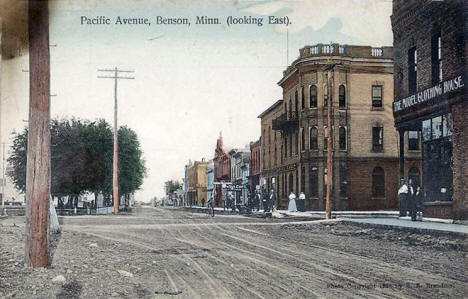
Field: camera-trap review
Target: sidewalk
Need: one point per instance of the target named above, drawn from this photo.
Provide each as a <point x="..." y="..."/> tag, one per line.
<point x="420" y="226"/>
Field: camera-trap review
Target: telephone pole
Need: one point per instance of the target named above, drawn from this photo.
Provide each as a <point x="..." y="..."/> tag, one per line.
<point x="115" y="168"/>
<point x="38" y="152"/>
<point x="329" y="79"/>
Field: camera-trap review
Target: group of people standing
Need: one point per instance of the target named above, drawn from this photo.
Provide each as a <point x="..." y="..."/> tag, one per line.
<point x="296" y="204"/>
<point x="410" y="200"/>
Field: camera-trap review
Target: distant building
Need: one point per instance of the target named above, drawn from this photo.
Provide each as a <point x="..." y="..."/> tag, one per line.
<point x="186" y="184"/>
<point x="198" y="183"/>
<point x="240" y="160"/>
<point x="222" y="171"/>
<point x="364" y="140"/>
<point x="430" y="40"/>
<point x="254" y="170"/>
<point x="210" y="180"/>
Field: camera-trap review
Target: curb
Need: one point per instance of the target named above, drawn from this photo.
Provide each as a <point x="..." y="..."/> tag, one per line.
<point x="418" y="230"/>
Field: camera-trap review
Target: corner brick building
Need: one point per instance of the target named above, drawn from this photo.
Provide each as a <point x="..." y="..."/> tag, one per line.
<point x="365" y="148"/>
<point x="430" y="98"/>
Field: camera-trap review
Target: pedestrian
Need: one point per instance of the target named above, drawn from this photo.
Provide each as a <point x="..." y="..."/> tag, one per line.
<point x="419" y="203"/>
<point x="272" y="200"/>
<point x="258" y="198"/>
<point x="402" y="197"/>
<point x="292" y="202"/>
<point x="411" y="200"/>
<point x="301" y="205"/>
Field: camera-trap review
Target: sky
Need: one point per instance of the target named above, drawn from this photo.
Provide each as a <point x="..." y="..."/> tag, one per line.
<point x="191" y="82"/>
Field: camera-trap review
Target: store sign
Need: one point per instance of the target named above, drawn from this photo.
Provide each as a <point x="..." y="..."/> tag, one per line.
<point x="428" y="94"/>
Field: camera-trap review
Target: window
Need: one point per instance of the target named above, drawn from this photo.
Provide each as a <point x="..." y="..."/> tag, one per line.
<point x="377" y="96"/>
<point x="302" y="98"/>
<point x="343" y="180"/>
<point x="325" y="101"/>
<point x="303" y="179"/>
<point x="378" y="182"/>
<point x="412" y="70"/>
<point x="342" y="96"/>
<point x="295" y="101"/>
<point x="377" y="138"/>
<point x="285" y="147"/>
<point x="325" y="138"/>
<point x="313" y="97"/>
<point x="436" y="50"/>
<point x="413" y="140"/>
<point x="296" y="139"/>
<point x="342" y="138"/>
<point x="313" y="136"/>
<point x="437" y="127"/>
<point x="313" y="178"/>
<point x="302" y="139"/>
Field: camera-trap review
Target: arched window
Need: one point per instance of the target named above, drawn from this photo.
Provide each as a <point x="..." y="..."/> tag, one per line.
<point x="378" y="182"/>
<point x="342" y="138"/>
<point x="302" y="139"/>
<point x="342" y="96"/>
<point x="313" y="97"/>
<point x="413" y="174"/>
<point x="313" y="135"/>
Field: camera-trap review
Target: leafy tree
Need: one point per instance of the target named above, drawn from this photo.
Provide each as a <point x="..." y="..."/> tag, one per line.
<point x="171" y="186"/>
<point x="81" y="159"/>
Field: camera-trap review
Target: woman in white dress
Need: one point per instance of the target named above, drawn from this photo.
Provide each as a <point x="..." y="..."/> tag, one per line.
<point x="292" y="202"/>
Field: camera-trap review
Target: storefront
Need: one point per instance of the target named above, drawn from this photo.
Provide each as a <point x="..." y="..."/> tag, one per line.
<point x="427" y="115"/>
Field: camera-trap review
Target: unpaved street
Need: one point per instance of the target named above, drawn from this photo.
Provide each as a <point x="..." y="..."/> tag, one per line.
<point x="170" y="253"/>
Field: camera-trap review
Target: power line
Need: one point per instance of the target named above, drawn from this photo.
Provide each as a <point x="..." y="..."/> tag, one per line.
<point x="115" y="171"/>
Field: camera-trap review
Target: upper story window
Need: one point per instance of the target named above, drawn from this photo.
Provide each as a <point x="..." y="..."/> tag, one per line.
<point x="413" y="140"/>
<point x="313" y="136"/>
<point x="302" y="98"/>
<point x="342" y="96"/>
<point x="377" y="138"/>
<point x="313" y="97"/>
<point x="436" y="45"/>
<point x="412" y="70"/>
<point x="302" y="139"/>
<point x="327" y="49"/>
<point x="342" y="138"/>
<point x="376" y="96"/>
<point x="295" y="101"/>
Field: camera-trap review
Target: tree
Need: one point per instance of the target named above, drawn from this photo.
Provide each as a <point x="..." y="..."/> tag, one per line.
<point x="81" y="159"/>
<point x="171" y="186"/>
<point x="132" y="169"/>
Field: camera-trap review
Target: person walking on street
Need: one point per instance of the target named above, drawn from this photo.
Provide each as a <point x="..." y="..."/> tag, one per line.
<point x="402" y="197"/>
<point x="272" y="200"/>
<point x="292" y="202"/>
<point x="301" y="205"/>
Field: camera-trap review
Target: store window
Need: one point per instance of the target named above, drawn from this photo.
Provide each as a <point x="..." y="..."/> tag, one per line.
<point x="313" y="181"/>
<point x="413" y="140"/>
<point x="378" y="182"/>
<point x="437" y="127"/>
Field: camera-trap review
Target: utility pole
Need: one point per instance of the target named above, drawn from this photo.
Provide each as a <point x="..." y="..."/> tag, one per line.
<point x="3" y="211"/>
<point x="3" y="178"/>
<point x="115" y="170"/>
<point x="329" y="78"/>
<point x="38" y="152"/>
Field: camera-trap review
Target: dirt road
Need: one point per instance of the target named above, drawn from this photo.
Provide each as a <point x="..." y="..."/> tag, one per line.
<point x="169" y="253"/>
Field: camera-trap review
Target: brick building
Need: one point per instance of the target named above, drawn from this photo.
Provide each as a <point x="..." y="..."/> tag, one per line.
<point x="222" y="171"/>
<point x="430" y="98"/>
<point x="254" y="176"/>
<point x="364" y="140"/>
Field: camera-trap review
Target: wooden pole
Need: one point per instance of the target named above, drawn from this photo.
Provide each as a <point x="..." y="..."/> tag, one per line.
<point x="115" y="173"/>
<point x="38" y="156"/>
<point x="329" y="144"/>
